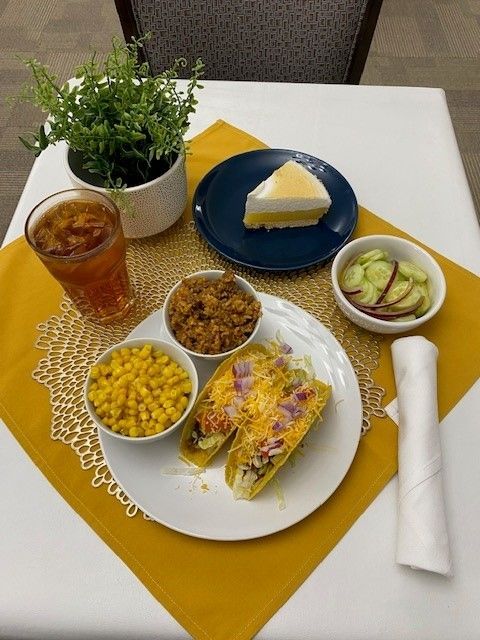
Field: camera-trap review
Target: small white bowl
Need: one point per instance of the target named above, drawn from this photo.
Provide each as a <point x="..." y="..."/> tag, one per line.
<point x="176" y="354"/>
<point x="398" y="249"/>
<point x="209" y="275"/>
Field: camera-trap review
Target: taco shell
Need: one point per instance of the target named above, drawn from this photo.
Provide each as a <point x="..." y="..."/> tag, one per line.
<point x="191" y="453"/>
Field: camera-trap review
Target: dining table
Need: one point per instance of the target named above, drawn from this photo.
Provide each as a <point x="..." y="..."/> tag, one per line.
<point x="396" y="146"/>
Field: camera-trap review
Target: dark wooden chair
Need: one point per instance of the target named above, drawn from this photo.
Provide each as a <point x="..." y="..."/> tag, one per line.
<point x="318" y="41"/>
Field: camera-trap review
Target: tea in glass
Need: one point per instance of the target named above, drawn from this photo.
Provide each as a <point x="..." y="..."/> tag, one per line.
<point x="78" y="236"/>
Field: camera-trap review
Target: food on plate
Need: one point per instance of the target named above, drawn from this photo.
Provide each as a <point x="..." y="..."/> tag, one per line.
<point x="385" y="288"/>
<point x="270" y="398"/>
<point x="139" y="392"/>
<point x="212" y="316"/>
<point x="287" y="401"/>
<point x="211" y="423"/>
<point x="290" y="197"/>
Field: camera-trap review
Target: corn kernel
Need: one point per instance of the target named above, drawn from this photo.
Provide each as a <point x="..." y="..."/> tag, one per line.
<point x="150" y="432"/>
<point x="159" y="428"/>
<point x="95" y="373"/>
<point x="168" y="404"/>
<point x="136" y="432"/>
<point x="170" y="411"/>
<point x="162" y="419"/>
<point x="176" y="416"/>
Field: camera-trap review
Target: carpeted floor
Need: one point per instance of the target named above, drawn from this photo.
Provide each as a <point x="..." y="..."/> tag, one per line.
<point x="417" y="42"/>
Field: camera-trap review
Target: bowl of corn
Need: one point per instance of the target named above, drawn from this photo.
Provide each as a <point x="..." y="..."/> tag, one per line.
<point x="141" y="390"/>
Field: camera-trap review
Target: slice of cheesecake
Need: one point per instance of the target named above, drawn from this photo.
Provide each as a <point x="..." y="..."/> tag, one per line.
<point x="290" y="197"/>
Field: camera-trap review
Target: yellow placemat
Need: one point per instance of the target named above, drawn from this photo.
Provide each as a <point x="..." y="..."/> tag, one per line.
<point x="215" y="590"/>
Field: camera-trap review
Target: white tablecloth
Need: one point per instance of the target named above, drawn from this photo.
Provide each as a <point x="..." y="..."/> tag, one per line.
<point x="397" y="148"/>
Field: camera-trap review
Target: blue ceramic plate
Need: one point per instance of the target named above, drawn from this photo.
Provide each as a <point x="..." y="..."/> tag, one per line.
<point x="219" y="204"/>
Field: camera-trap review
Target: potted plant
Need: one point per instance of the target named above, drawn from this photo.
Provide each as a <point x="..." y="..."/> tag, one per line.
<point x="124" y="131"/>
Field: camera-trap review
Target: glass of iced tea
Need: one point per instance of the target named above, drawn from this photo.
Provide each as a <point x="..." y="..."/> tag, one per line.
<point x="78" y="236"/>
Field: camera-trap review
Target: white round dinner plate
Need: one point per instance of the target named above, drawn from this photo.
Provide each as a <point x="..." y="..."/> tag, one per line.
<point x="202" y="505"/>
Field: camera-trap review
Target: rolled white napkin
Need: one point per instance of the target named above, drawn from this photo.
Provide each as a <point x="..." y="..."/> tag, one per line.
<point x="422" y="541"/>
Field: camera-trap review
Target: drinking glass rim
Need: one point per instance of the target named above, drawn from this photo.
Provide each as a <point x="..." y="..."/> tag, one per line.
<point x="82" y="256"/>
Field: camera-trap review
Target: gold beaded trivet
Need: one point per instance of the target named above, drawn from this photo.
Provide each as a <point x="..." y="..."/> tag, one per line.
<point x="73" y="343"/>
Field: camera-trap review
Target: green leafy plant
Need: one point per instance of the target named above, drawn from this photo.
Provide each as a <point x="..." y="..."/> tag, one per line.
<point x="127" y="124"/>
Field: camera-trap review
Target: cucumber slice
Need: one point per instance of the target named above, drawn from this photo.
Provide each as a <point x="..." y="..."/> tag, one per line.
<point x="353" y="276"/>
<point x="410" y="270"/>
<point x="371" y="256"/>
<point x="426" y="304"/>
<point x="379" y="256"/>
<point x="397" y="290"/>
<point x="404" y="318"/>
<point x="379" y="273"/>
<point x="369" y="293"/>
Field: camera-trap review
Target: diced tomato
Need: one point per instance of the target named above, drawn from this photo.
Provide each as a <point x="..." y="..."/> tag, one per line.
<point x="212" y="422"/>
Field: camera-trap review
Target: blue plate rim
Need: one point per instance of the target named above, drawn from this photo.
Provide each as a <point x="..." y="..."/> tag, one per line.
<point x="200" y="225"/>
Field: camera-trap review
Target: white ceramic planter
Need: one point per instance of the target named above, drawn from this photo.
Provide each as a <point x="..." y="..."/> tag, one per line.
<point x="151" y="207"/>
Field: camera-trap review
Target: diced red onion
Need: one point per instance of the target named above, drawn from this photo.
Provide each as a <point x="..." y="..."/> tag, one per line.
<point x="275" y="452"/>
<point x="301" y="395"/>
<point x="243" y="385"/>
<point x="242" y="369"/>
<point x="230" y="410"/>
<point x="278" y="426"/>
<point x="285" y="348"/>
<point x="280" y="361"/>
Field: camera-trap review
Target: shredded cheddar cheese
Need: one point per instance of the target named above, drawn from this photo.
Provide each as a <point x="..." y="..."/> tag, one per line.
<point x="276" y="378"/>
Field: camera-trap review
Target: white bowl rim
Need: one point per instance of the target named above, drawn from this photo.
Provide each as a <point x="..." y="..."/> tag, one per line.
<point x="158" y="436"/>
<point x="196" y="354"/>
<point x="403" y="326"/>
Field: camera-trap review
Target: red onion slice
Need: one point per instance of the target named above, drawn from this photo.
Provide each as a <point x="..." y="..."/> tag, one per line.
<point x="350" y="292"/>
<point x="389" y="315"/>
<point x="382" y="305"/>
<point x="389" y="283"/>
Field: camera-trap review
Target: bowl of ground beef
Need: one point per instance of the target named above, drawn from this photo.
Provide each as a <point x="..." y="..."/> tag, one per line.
<point x="212" y="314"/>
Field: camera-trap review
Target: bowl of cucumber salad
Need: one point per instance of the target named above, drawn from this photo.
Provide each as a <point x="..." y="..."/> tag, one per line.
<point x="387" y="284"/>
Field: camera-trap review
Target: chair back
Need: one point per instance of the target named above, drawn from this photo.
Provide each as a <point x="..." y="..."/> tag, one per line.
<point x="318" y="41"/>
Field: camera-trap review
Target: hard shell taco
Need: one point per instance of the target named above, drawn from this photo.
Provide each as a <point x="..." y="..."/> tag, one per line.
<point x="287" y="402"/>
<point x="215" y="415"/>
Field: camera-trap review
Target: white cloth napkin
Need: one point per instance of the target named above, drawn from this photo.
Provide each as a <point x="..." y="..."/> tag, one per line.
<point x="422" y="541"/>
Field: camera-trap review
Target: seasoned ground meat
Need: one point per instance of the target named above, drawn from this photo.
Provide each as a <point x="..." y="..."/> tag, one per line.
<point x="212" y="316"/>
